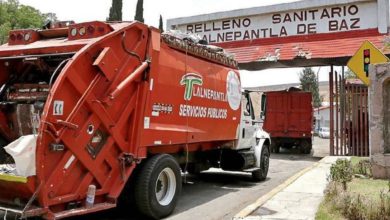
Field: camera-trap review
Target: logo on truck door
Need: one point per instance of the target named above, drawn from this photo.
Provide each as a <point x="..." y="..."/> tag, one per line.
<point x="189" y="80"/>
<point x="232" y="95"/>
<point x="233" y="90"/>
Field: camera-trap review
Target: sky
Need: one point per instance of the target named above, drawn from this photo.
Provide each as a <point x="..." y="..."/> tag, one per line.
<point x="88" y="10"/>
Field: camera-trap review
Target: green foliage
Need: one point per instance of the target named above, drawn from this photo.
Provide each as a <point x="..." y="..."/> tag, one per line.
<point x="363" y="167"/>
<point x="16" y="16"/>
<point x="388" y="185"/>
<point x="384" y="206"/>
<point x="139" y="13"/>
<point x="328" y="209"/>
<point x="51" y="17"/>
<point x="309" y="83"/>
<point x="360" y="207"/>
<point x="115" y="11"/>
<point x="161" y="24"/>
<point x="364" y="199"/>
<point x="4" y="29"/>
<point x="354" y="208"/>
<point x="341" y="172"/>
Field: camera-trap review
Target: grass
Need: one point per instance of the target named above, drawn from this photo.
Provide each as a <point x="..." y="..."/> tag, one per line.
<point x="356" y="160"/>
<point x="369" y="189"/>
<point x="327" y="211"/>
<point x="361" y="164"/>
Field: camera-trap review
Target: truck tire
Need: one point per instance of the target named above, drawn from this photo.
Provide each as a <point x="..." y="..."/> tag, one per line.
<point x="157" y="186"/>
<point x="261" y="174"/>
<point x="194" y="169"/>
<point x="5" y="158"/>
<point x="305" y="147"/>
<point x="275" y="148"/>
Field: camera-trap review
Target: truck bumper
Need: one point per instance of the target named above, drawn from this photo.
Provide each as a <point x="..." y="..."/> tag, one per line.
<point x="20" y="213"/>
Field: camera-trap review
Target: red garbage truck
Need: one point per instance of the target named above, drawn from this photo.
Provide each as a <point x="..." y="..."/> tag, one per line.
<point x="288" y="118"/>
<point x="85" y="108"/>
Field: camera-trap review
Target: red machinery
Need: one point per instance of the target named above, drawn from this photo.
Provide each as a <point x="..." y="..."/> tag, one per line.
<point x="288" y="119"/>
<point x="108" y="97"/>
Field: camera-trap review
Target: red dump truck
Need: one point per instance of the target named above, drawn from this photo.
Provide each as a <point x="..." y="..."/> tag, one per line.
<point x="88" y="110"/>
<point x="288" y="118"/>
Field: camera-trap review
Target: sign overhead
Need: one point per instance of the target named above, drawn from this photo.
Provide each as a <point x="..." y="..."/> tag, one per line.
<point x="274" y="22"/>
<point x="366" y="55"/>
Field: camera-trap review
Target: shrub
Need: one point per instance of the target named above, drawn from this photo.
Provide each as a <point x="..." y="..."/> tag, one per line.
<point x="388" y="185"/>
<point x="354" y="206"/>
<point x="355" y="209"/>
<point x="384" y="206"/>
<point x="341" y="172"/>
<point x="363" y="167"/>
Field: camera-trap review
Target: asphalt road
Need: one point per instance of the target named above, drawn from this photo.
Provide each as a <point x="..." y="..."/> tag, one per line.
<point x="217" y="194"/>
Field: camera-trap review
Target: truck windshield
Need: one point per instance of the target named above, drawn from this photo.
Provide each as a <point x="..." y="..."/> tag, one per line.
<point x="248" y="106"/>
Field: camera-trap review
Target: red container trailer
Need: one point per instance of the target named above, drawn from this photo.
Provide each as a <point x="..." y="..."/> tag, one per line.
<point x="288" y="118"/>
<point x="84" y="107"/>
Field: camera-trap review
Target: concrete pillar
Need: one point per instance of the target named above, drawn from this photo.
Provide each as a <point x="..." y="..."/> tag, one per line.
<point x="383" y="16"/>
<point x="387" y="116"/>
<point x="379" y="109"/>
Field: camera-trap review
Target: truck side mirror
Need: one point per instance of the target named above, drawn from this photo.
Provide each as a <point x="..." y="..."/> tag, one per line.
<point x="246" y="113"/>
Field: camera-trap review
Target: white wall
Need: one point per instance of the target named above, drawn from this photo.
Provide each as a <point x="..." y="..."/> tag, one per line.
<point x="323" y="118"/>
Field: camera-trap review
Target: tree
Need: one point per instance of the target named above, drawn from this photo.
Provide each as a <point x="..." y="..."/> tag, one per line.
<point x="309" y="83"/>
<point x="51" y="17"/>
<point x="139" y="13"/>
<point x="161" y="24"/>
<point x="115" y="11"/>
<point x="349" y="74"/>
<point x="16" y="16"/>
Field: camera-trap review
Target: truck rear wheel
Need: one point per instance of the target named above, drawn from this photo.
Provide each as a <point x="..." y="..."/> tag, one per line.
<point x="157" y="186"/>
<point x="261" y="174"/>
<point x="275" y="146"/>
<point x="305" y="147"/>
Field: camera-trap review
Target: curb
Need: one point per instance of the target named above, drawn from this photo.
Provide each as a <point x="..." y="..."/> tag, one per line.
<point x="259" y="202"/>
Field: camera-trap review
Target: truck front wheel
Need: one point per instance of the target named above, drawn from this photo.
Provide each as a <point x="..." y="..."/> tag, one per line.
<point x="157" y="186"/>
<point x="261" y="174"/>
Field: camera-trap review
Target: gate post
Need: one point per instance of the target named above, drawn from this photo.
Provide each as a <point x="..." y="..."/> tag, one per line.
<point x="379" y="110"/>
<point x="331" y="111"/>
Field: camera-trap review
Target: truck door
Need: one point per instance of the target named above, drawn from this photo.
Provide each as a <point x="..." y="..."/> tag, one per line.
<point x="247" y="129"/>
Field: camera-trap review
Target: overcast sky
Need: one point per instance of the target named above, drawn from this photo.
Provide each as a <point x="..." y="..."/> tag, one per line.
<point x="87" y="10"/>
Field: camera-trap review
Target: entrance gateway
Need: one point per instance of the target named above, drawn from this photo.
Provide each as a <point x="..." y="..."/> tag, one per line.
<point x="302" y="34"/>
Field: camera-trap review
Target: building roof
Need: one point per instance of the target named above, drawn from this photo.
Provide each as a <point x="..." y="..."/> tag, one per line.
<point x="281" y="86"/>
<point x="308" y="50"/>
